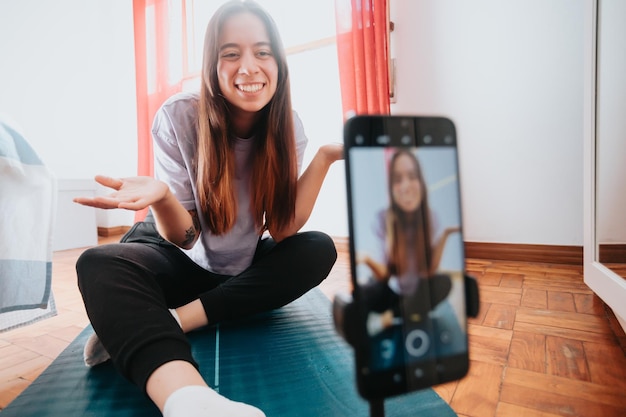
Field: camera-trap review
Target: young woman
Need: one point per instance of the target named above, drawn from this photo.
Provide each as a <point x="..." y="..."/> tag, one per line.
<point x="411" y="249"/>
<point x="221" y="240"/>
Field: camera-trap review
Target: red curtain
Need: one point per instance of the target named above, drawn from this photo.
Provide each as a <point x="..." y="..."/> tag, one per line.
<point x="153" y="62"/>
<point x="362" y="45"/>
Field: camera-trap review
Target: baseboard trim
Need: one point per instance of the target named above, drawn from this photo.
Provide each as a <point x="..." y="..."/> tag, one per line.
<point x="612" y="253"/>
<point x="555" y="254"/>
<point x="112" y="231"/>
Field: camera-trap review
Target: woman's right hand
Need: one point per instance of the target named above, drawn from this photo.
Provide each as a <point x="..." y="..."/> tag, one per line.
<point x="133" y="193"/>
<point x="379" y="271"/>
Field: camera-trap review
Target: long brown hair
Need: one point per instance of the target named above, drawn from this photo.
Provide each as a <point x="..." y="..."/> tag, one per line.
<point x="399" y="223"/>
<point x="274" y="163"/>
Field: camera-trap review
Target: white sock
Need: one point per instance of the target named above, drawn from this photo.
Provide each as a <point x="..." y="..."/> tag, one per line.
<point x="94" y="353"/>
<point x="374" y="323"/>
<point x="201" y="401"/>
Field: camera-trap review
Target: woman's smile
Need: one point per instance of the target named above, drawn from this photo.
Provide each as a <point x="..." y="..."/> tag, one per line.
<point x="250" y="88"/>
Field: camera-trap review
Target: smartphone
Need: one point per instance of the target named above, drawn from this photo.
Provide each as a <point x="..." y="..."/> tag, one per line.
<point x="406" y="253"/>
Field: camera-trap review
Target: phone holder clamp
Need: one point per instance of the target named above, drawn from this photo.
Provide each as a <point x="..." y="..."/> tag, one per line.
<point x="345" y="316"/>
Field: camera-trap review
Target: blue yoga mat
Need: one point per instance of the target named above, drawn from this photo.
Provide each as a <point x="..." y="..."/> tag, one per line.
<point x="288" y="362"/>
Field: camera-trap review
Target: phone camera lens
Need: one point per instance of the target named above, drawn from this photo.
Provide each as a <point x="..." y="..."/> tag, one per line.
<point x="448" y="140"/>
<point x="406" y="140"/>
<point x="359" y="139"/>
<point x="428" y="139"/>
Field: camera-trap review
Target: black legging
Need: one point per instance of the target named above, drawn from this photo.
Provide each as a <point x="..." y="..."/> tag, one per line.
<point x="128" y="288"/>
<point x="378" y="297"/>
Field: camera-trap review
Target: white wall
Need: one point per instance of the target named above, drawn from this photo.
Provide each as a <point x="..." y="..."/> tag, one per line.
<point x="68" y="78"/>
<point x="510" y="75"/>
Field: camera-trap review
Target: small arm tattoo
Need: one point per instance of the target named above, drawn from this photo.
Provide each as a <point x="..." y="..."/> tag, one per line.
<point x="192" y="232"/>
<point x="190" y="235"/>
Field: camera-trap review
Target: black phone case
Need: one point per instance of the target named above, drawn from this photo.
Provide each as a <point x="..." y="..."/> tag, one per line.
<point x="383" y="131"/>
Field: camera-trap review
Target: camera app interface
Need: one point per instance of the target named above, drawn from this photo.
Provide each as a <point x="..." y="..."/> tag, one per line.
<point x="408" y="254"/>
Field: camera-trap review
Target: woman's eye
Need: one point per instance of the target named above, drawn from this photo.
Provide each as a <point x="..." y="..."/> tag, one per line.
<point x="229" y="55"/>
<point x="264" y="53"/>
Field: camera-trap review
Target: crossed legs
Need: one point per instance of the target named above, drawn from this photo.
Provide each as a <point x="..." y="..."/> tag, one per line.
<point x="128" y="289"/>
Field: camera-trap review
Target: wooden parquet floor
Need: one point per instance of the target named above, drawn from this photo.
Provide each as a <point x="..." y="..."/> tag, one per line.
<point x="543" y="344"/>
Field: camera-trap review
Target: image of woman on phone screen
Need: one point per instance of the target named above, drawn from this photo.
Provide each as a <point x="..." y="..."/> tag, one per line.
<point x="404" y="280"/>
<point x="222" y="239"/>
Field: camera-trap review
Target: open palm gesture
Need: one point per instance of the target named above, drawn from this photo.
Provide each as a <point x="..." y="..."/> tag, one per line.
<point x="133" y="193"/>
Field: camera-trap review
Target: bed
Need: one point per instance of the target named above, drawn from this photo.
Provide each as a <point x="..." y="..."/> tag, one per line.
<point x="27" y="213"/>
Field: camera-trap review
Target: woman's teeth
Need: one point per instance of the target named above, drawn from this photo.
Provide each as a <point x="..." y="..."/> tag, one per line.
<point x="250" y="88"/>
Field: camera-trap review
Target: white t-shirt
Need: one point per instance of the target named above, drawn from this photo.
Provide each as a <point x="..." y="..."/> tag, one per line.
<point x="409" y="281"/>
<point x="175" y="147"/>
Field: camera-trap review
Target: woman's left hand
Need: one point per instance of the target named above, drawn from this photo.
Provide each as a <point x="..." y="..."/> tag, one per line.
<point x="332" y="151"/>
<point x="452" y="229"/>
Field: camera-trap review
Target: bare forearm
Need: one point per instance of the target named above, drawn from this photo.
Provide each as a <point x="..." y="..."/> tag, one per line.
<point x="380" y="271"/>
<point x="309" y="186"/>
<point x="439" y="247"/>
<point x="174" y="222"/>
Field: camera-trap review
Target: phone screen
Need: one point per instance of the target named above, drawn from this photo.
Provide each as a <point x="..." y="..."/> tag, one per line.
<point x="407" y="253"/>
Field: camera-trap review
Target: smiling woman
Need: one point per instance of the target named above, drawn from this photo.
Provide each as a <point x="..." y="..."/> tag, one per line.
<point x="169" y="38"/>
<point x="227" y="202"/>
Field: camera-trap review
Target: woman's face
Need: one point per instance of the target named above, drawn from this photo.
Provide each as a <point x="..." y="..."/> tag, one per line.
<point x="247" y="71"/>
<point x="406" y="189"/>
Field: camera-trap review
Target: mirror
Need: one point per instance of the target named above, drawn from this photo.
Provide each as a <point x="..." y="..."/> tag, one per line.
<point x="604" y="179"/>
<point x="610" y="217"/>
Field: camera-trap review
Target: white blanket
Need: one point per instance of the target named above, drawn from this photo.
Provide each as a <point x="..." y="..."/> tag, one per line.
<point x="27" y="213"/>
